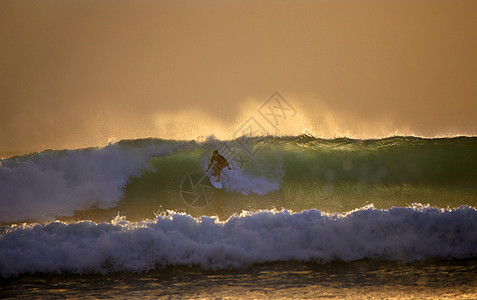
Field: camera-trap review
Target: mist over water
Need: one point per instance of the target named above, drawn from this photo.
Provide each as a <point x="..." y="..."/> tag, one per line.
<point x="78" y="74"/>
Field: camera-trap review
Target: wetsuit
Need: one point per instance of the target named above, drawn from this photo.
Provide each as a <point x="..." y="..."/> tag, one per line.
<point x="221" y="162"/>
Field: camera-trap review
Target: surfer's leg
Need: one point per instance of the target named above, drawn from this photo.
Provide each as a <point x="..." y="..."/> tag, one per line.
<point x="216" y="170"/>
<point x="219" y="169"/>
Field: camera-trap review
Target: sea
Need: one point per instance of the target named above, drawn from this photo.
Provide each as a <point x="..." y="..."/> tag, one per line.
<point x="298" y="217"/>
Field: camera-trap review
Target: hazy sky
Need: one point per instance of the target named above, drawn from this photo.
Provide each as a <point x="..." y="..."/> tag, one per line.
<point x="79" y="73"/>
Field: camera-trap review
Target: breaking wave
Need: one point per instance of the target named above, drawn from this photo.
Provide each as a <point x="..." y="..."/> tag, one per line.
<point x="403" y="234"/>
<point x="294" y="173"/>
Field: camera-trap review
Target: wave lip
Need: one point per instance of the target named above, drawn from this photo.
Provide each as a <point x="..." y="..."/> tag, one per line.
<point x="400" y="233"/>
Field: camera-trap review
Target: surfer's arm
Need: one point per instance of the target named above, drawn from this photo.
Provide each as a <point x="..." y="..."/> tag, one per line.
<point x="211" y="161"/>
<point x="227" y="164"/>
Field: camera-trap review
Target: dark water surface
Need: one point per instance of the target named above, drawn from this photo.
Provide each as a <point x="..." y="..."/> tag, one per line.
<point x="359" y="279"/>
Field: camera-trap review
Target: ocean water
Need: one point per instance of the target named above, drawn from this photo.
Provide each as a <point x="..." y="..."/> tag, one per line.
<point x="297" y="217"/>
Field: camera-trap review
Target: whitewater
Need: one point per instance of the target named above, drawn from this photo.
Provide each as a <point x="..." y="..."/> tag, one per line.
<point x="405" y="234"/>
<point x="125" y="207"/>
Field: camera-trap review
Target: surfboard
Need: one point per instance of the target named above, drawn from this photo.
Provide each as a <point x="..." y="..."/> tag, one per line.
<point x="217" y="185"/>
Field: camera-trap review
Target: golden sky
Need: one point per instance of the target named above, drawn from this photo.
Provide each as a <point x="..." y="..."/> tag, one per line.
<point x="79" y="73"/>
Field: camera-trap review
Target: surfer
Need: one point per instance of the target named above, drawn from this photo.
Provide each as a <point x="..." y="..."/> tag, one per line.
<point x="221" y="163"/>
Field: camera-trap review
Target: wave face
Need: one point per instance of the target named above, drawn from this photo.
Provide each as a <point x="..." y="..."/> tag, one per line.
<point x="402" y="234"/>
<point x="141" y="177"/>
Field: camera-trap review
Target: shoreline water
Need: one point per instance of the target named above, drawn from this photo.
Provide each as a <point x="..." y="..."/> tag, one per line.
<point x="356" y="280"/>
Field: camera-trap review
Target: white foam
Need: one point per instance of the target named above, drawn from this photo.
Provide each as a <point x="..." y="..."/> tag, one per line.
<point x="412" y="233"/>
<point x="244" y="183"/>
<point x="238" y="180"/>
<point x="56" y="183"/>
